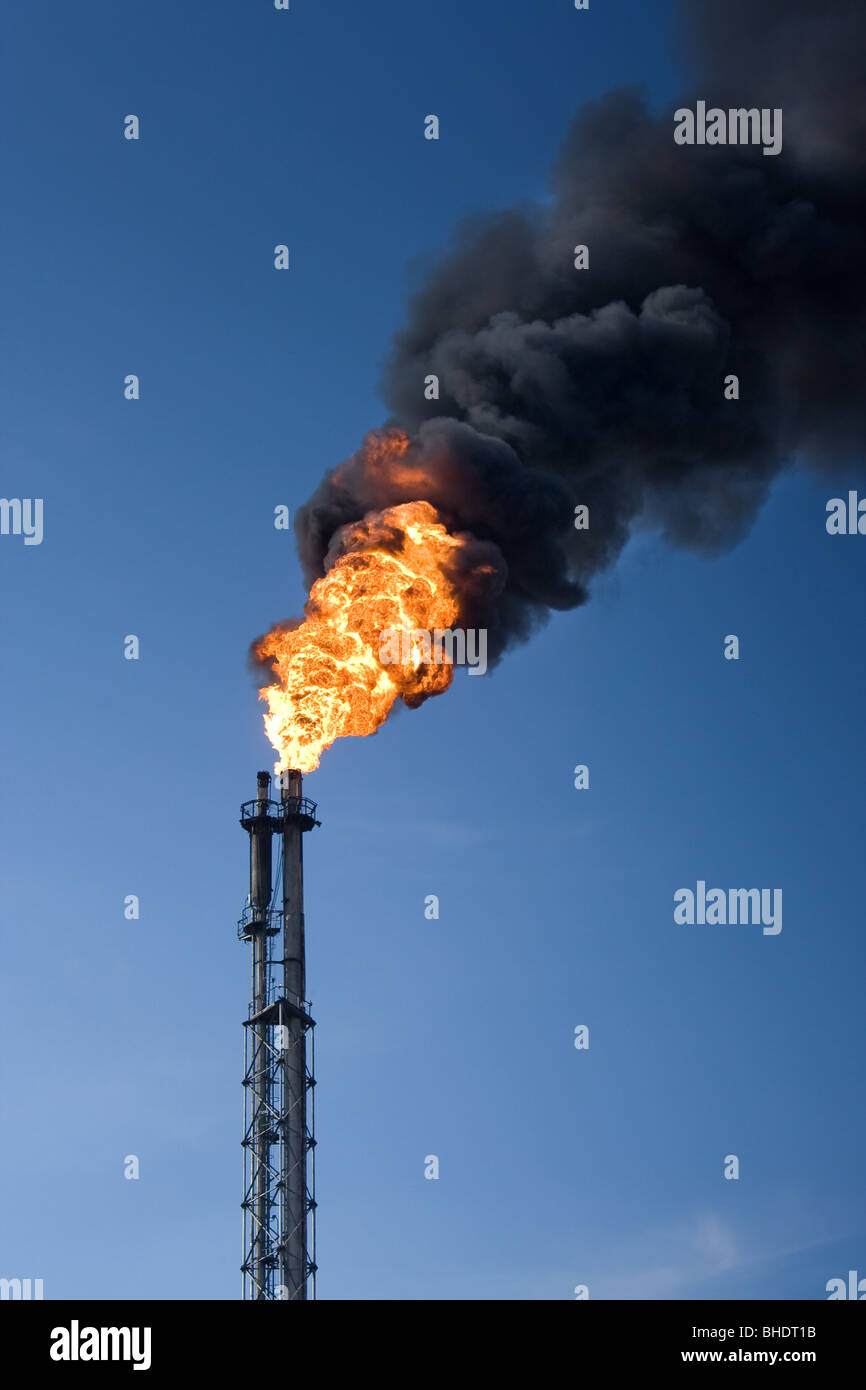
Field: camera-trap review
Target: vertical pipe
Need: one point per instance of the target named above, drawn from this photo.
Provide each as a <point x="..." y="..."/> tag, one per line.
<point x="260" y="852"/>
<point x="293" y="892"/>
<point x="294" y="1191"/>
<point x="260" y="897"/>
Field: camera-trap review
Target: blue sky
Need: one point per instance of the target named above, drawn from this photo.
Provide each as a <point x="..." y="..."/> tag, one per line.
<point x="452" y="1037"/>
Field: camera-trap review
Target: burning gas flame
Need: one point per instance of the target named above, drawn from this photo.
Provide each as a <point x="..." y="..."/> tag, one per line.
<point x="392" y="572"/>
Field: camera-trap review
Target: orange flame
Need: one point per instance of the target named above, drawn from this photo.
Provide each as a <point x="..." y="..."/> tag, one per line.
<point x="392" y="573"/>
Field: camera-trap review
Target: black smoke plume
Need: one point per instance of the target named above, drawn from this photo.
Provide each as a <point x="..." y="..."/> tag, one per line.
<point x="605" y="386"/>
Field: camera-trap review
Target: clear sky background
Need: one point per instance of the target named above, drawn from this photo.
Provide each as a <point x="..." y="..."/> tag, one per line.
<point x="451" y="1037"/>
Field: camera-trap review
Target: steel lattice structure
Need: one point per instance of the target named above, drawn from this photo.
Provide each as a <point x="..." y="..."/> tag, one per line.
<point x="279" y="1112"/>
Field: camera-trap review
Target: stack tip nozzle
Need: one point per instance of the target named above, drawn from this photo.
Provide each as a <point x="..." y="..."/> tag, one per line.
<point x="291" y="783"/>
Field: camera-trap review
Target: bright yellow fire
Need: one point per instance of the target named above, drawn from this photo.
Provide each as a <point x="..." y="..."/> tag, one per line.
<point x="329" y="678"/>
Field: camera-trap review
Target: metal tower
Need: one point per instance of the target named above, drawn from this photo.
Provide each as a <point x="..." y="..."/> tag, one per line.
<point x="279" y="1223"/>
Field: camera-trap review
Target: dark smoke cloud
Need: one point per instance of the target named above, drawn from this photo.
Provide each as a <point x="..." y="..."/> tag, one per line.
<point x="605" y="386"/>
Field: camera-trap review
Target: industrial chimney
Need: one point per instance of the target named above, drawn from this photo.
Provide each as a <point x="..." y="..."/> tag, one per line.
<point x="279" y="1181"/>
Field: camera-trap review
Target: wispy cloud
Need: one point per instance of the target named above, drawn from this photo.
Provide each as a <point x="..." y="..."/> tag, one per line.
<point x="702" y="1249"/>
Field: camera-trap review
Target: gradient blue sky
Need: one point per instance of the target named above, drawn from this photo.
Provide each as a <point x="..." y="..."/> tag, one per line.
<point x="451" y="1037"/>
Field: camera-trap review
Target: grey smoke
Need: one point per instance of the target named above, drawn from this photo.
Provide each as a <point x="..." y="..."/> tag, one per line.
<point x="605" y="386"/>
